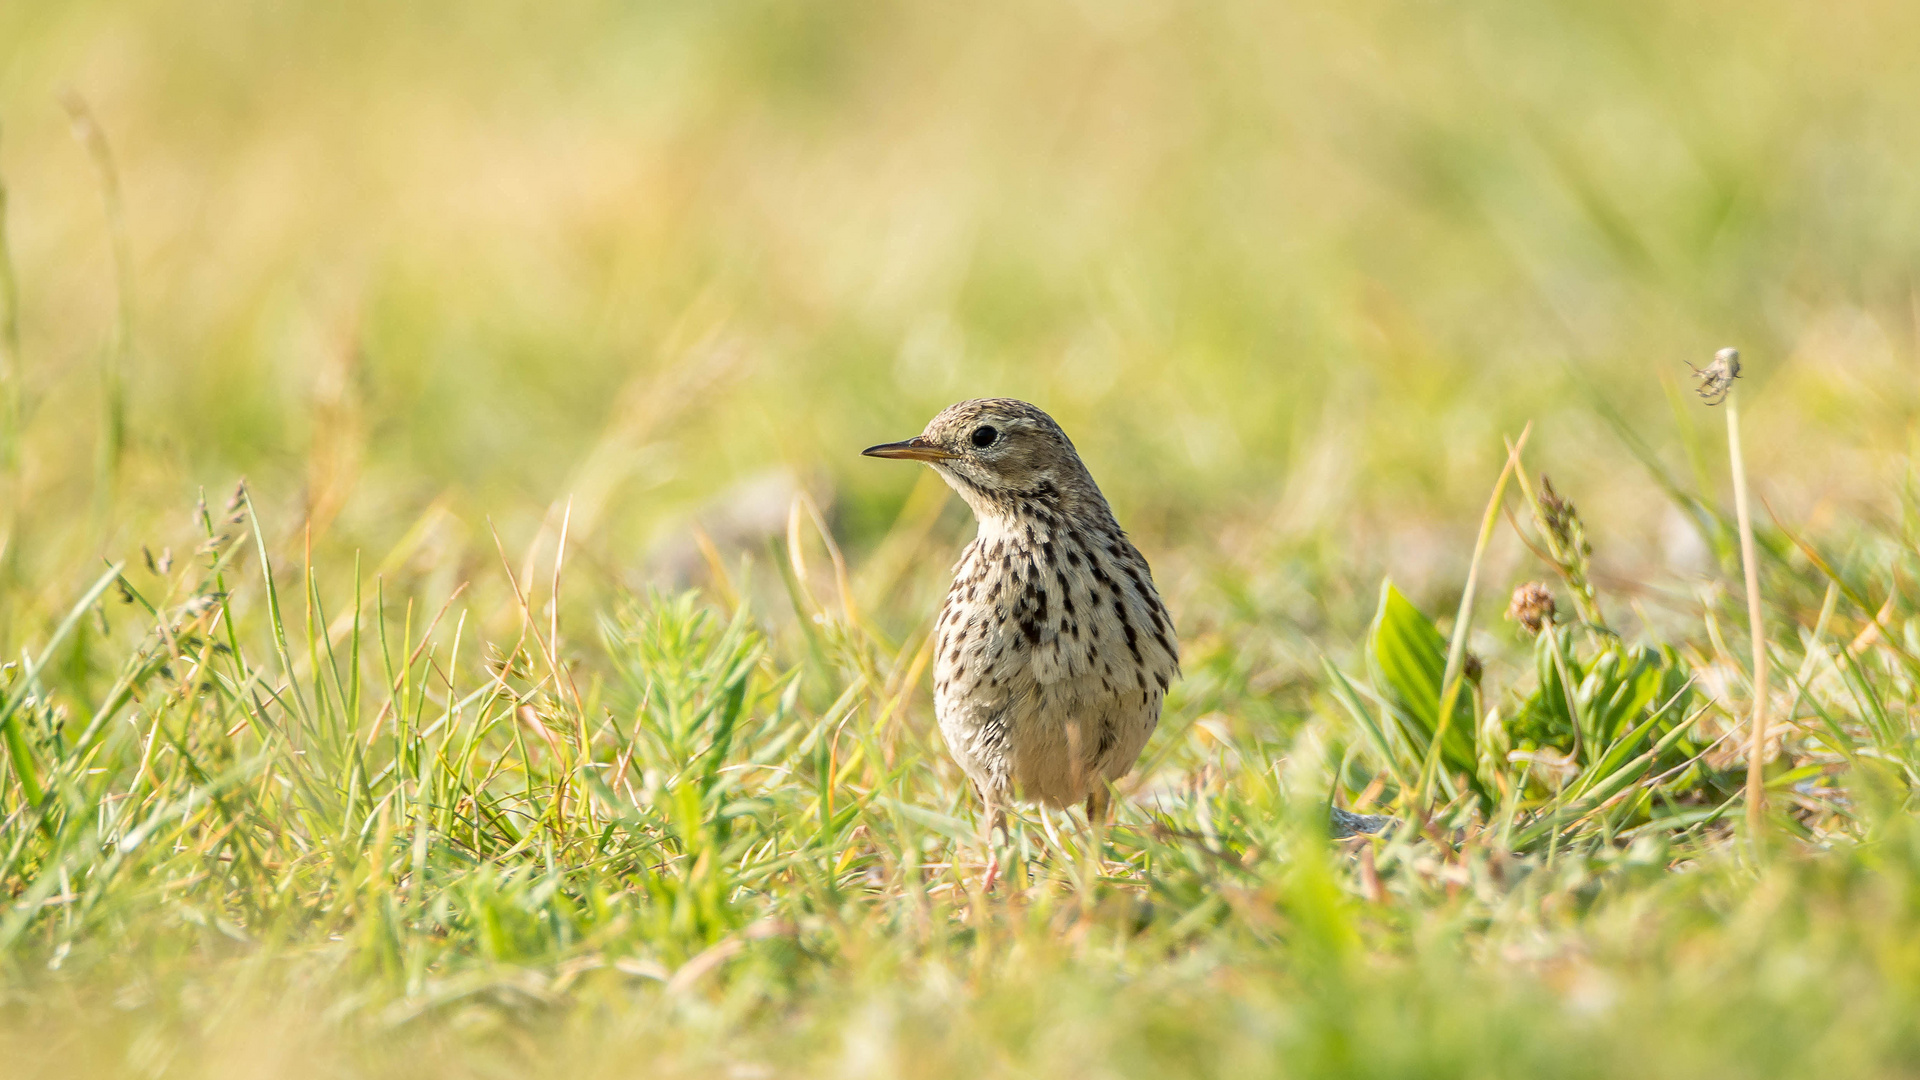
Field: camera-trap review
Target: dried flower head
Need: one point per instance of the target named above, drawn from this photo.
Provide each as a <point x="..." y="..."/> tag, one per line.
<point x="1716" y="379"/>
<point x="1532" y="607"/>
<point x="1473" y="668"/>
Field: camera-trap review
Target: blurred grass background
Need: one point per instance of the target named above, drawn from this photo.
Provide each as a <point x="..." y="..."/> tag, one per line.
<point x="1286" y="272"/>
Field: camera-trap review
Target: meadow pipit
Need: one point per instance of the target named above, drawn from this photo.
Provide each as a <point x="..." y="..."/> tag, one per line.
<point x="1053" y="650"/>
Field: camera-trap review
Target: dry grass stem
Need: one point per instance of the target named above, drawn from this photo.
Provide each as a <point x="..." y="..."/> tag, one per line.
<point x="1756" y="621"/>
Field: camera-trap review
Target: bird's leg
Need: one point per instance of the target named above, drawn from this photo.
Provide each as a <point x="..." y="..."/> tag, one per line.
<point x="1093" y="858"/>
<point x="1098" y="793"/>
<point x="996" y="836"/>
<point x="994" y="833"/>
<point x="1098" y="800"/>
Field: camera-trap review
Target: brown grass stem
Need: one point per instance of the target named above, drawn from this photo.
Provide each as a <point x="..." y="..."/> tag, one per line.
<point x="1750" y="563"/>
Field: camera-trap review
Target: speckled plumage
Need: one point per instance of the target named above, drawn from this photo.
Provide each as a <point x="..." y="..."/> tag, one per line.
<point x="1053" y="651"/>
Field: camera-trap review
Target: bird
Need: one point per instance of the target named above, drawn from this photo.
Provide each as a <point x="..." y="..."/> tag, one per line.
<point x="1053" y="651"/>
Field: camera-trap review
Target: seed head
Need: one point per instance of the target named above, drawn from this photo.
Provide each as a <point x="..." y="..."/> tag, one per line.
<point x="1716" y="379"/>
<point x="1532" y="607"/>
<point x="1558" y="515"/>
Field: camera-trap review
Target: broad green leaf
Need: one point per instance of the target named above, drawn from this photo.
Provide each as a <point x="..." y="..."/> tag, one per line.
<point x="1409" y="658"/>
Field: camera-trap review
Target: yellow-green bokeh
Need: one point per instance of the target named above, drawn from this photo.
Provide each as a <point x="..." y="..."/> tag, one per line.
<point x="1293" y="267"/>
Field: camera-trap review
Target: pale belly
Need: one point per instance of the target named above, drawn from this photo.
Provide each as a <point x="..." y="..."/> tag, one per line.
<point x="1048" y="742"/>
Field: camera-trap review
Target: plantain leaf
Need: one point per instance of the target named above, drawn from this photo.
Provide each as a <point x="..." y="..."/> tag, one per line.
<point x="1409" y="659"/>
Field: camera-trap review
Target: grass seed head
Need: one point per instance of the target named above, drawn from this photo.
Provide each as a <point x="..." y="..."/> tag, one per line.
<point x="1559" y="517"/>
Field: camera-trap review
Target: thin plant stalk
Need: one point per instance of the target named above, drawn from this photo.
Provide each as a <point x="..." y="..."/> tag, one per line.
<point x="1756" y="747"/>
<point x="113" y="392"/>
<point x="1452" y="677"/>
<point x="13" y="409"/>
<point x="11" y="391"/>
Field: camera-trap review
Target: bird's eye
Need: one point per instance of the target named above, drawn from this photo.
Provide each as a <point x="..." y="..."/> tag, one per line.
<point x="983" y="436"/>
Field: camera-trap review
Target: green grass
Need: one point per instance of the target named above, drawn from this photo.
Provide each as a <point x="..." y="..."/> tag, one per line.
<point x="551" y="698"/>
<point x="258" y="817"/>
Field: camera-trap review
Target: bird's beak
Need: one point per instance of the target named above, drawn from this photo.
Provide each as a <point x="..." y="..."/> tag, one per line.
<point x="914" y="449"/>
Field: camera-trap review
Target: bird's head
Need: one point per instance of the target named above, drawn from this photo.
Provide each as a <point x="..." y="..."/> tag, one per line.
<point x="998" y="453"/>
